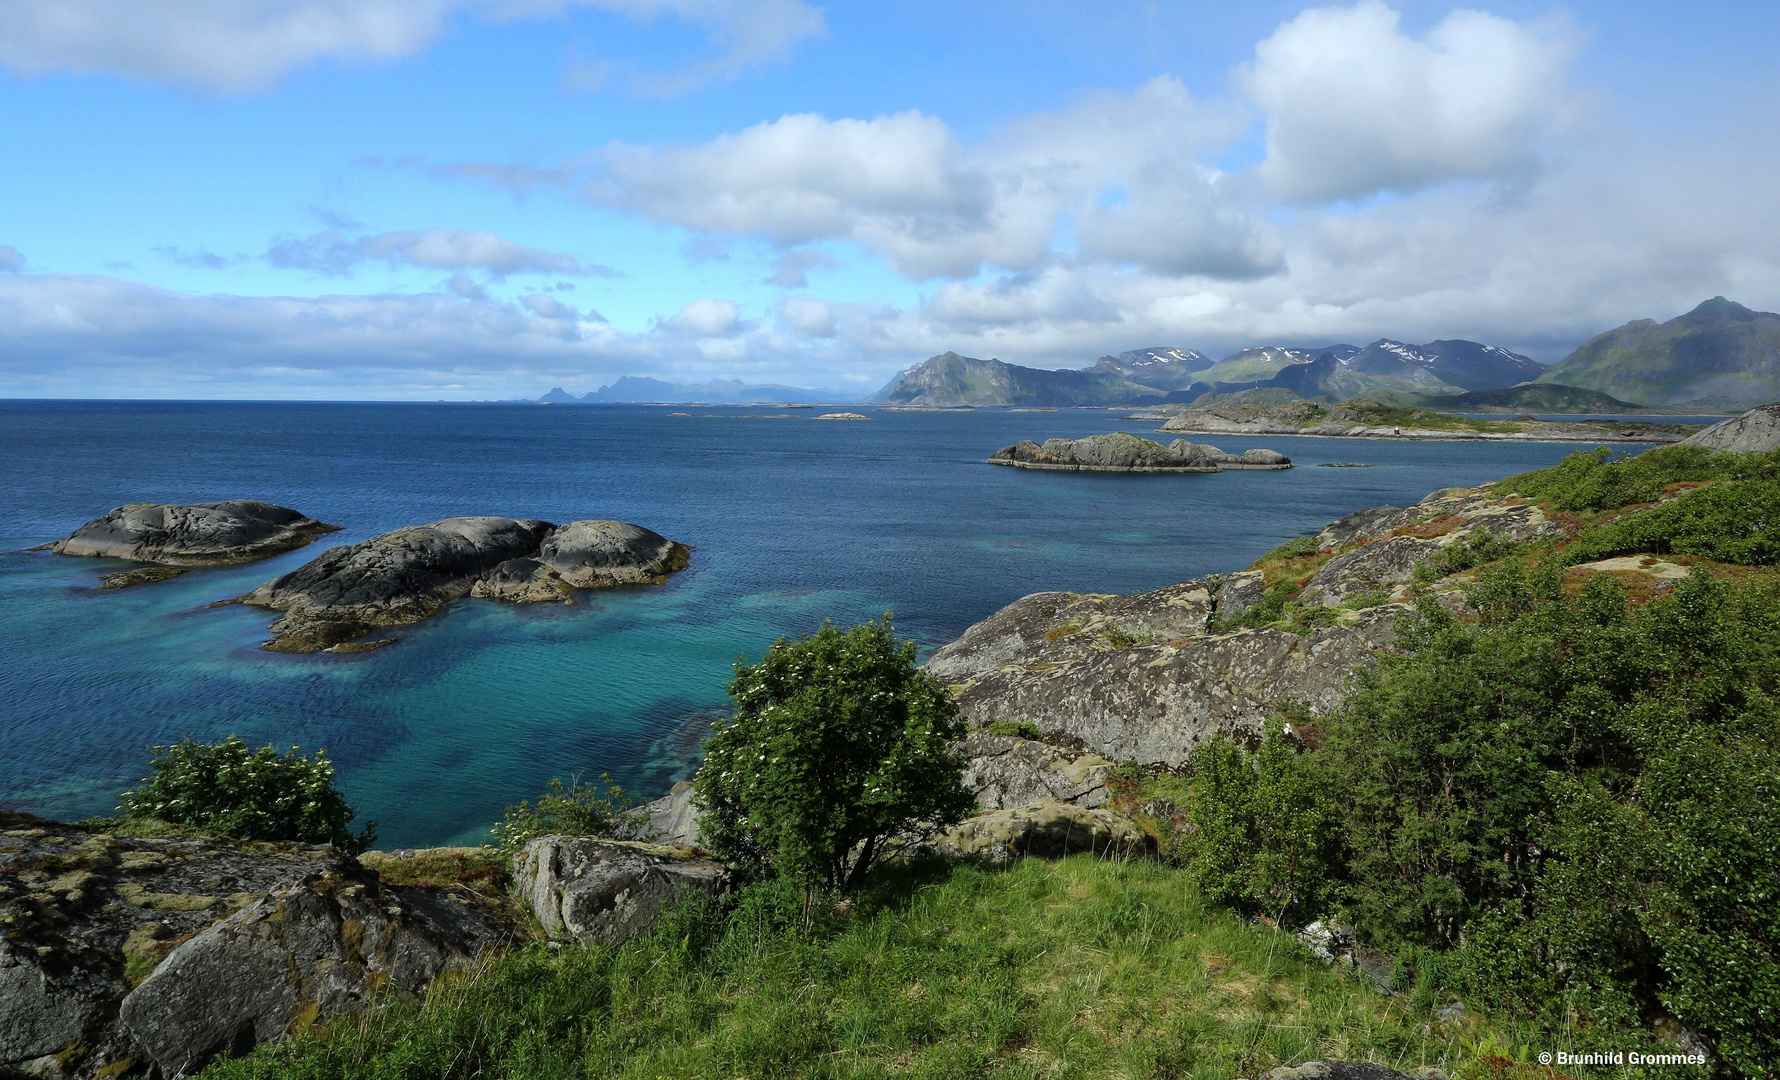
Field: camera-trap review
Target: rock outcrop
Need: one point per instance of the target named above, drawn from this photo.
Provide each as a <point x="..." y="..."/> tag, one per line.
<point x="1149" y="677"/>
<point x="407" y="575"/>
<point x="604" y="892"/>
<point x="1755" y="432"/>
<point x="121" y="953"/>
<point x="1047" y="829"/>
<point x="1006" y="771"/>
<point x="671" y="819"/>
<point x="1124" y="452"/>
<point x="175" y="536"/>
<point x="1365" y="419"/>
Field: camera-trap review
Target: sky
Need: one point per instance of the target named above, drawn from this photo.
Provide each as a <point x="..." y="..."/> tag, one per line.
<point x="482" y="199"/>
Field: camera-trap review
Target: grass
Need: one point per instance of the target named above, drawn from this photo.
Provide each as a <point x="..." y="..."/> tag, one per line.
<point x="1077" y="968"/>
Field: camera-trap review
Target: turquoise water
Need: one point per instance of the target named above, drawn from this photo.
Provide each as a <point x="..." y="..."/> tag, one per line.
<point x="791" y="522"/>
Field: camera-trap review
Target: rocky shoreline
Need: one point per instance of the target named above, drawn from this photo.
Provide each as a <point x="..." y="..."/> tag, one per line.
<point x="173" y="538"/>
<point x="408" y="575"/>
<point x="1127" y="453"/>
<point x="1354" y="420"/>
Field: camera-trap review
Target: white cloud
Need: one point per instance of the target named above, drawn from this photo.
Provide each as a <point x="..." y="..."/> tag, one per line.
<point x="795" y="266"/>
<point x="1355" y="106"/>
<point x="705" y="317"/>
<point x="436" y="248"/>
<point x="240" y="46"/>
<point x="905" y="186"/>
<point x="12" y="260"/>
<point x="808" y="316"/>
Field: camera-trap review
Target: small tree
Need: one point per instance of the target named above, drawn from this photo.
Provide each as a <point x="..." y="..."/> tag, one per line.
<point x="839" y="743"/>
<point x="228" y="789"/>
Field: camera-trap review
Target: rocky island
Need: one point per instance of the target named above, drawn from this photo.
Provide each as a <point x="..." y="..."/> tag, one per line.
<point x="172" y="538"/>
<point x="407" y="575"/>
<point x="1124" y="452"/>
<point x="1363" y="418"/>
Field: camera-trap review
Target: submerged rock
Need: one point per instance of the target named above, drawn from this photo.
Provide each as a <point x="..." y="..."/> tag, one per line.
<point x="407" y="575"/>
<point x="1123" y="452"/>
<point x="202" y="534"/>
<point x="605" y="892"/>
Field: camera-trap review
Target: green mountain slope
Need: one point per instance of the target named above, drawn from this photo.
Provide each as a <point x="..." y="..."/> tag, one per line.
<point x="1530" y="398"/>
<point x="1719" y="355"/>
<point x="950" y="379"/>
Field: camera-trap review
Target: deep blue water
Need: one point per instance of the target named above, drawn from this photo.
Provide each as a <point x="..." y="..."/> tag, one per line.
<point x="792" y="522"/>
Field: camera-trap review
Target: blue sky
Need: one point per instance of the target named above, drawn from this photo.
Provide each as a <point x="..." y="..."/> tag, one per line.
<point x="484" y="198"/>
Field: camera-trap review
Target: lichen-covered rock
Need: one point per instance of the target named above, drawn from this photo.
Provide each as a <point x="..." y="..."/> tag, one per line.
<point x="407" y="575"/>
<point x="1240" y="591"/>
<point x="302" y="955"/>
<point x="1047" y="829"/>
<point x="202" y="534"/>
<point x="606" y="892"/>
<point x="1377" y="565"/>
<point x="1347" y="1070"/>
<point x="1053" y="627"/>
<point x="89" y="918"/>
<point x="673" y="818"/>
<point x="1005" y="771"/>
<point x="1122" y="451"/>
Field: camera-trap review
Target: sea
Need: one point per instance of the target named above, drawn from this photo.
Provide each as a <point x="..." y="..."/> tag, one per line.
<point x="792" y="521"/>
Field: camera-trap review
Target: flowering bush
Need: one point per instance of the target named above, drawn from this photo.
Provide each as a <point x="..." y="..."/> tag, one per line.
<point x="231" y="790"/>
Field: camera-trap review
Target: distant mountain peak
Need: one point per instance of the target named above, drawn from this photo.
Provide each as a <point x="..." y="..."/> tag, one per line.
<point x="1719" y="355"/>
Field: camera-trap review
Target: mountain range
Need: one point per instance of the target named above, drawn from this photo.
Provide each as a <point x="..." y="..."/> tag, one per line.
<point x="1164" y="375"/>
<point x="634" y="389"/>
<point x="1720" y="355"/>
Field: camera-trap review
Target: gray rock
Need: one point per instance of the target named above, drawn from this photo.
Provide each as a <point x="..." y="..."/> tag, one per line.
<point x="1240" y="591"/>
<point x="1005" y="771"/>
<point x="1124" y="452"/>
<point x="600" y="554"/>
<point x="1048" y="829"/>
<point x="1382" y="563"/>
<point x="203" y="534"/>
<point x="606" y="892"/>
<point x="673" y="818"/>
<point x="1363" y="525"/>
<point x="301" y="956"/>
<point x="523" y="581"/>
<point x="1755" y="432"/>
<point x="407" y="575"/>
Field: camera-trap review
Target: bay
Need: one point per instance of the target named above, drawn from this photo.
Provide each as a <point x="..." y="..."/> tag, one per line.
<point x="792" y="521"/>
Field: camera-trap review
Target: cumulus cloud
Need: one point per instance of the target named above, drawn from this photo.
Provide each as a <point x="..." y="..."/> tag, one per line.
<point x="808" y="316"/>
<point x="438" y="248"/>
<point x="795" y="265"/>
<point x="11" y="259"/>
<point x="238" y="46"/>
<point x="705" y="317"/>
<point x="1356" y="106"/>
<point x="906" y="187"/>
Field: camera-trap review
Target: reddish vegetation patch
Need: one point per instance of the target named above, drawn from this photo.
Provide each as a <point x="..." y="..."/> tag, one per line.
<point x="1428" y="530"/>
<point x="1495" y="1067"/>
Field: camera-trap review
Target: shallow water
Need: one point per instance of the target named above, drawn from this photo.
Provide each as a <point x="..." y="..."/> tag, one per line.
<point x="791" y="521"/>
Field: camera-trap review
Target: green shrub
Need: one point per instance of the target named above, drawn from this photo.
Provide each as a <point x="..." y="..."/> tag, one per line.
<point x="1477" y="548"/>
<point x="1262" y="833"/>
<point x="1293" y="549"/>
<point x="574" y="809"/>
<point x="838" y="744"/>
<point x="229" y="790"/>
<point x="1574" y="798"/>
<point x="1599" y="479"/>
<point x="1738" y="523"/>
<point x="1018" y="729"/>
